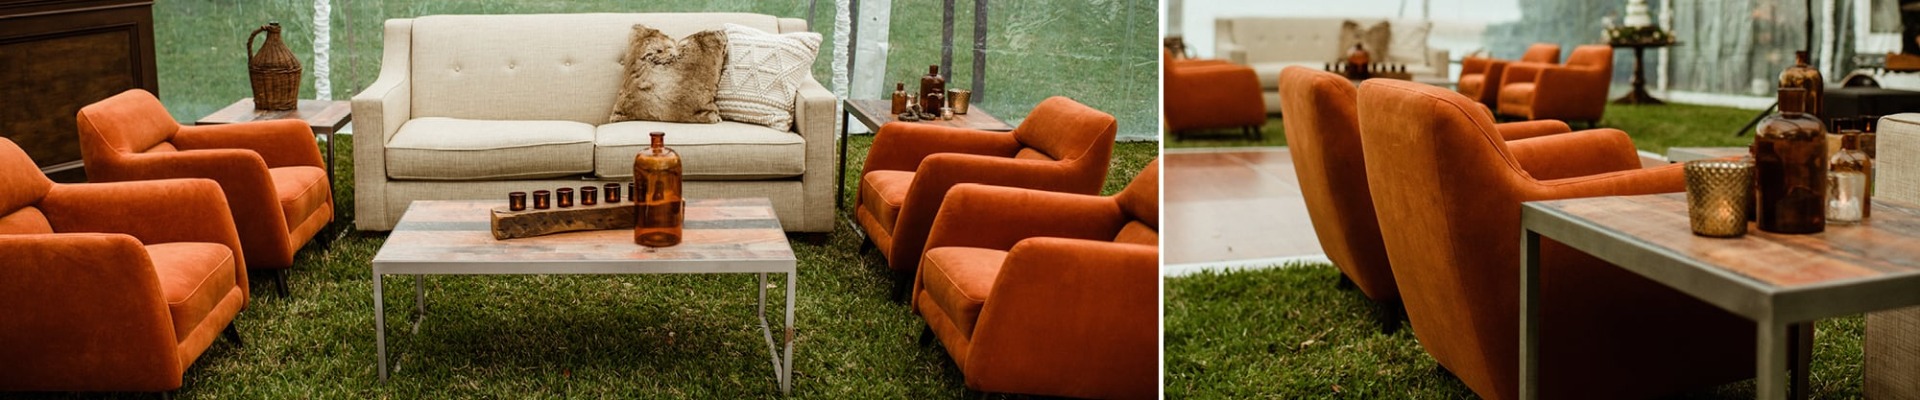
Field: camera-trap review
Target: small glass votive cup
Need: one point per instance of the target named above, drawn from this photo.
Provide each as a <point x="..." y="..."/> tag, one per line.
<point x="589" y="195"/>
<point x="613" y="193"/>
<point x="517" y="201"/>
<point x="959" y="99"/>
<point x="631" y="195"/>
<point x="542" y="199"/>
<point x="565" y="196"/>
<point x="1718" y="194"/>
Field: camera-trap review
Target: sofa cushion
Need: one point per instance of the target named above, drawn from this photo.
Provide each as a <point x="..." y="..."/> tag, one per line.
<point x="723" y="151"/>
<point x="536" y="66"/>
<point x="465" y="149"/>
<point x="959" y="280"/>
<point x="193" y="279"/>
<point x="671" y="80"/>
<point x="1409" y="44"/>
<point x="1377" y="38"/>
<point x="763" y="74"/>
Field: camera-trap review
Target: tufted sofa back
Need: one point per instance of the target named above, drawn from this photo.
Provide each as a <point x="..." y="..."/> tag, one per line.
<point x="1312" y="40"/>
<point x="538" y="66"/>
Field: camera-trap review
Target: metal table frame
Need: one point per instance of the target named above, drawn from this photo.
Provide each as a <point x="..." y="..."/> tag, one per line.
<point x="781" y="353"/>
<point x="1772" y="308"/>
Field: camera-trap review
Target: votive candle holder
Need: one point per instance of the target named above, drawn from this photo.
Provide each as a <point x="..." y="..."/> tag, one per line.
<point x="564" y="196"/>
<point x="542" y="199"/>
<point x="517" y="201"/>
<point x="589" y="195"/>
<point x="1717" y="196"/>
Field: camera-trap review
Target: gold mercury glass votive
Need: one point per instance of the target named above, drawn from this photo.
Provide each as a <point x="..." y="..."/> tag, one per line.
<point x="959" y="100"/>
<point x="1717" y="192"/>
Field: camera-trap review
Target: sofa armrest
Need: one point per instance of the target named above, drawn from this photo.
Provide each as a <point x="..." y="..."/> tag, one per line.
<point x="378" y="112"/>
<point x="1440" y="63"/>
<point x="815" y="117"/>
<point x="1233" y="53"/>
<point x="83" y="309"/>
<point x="281" y="143"/>
<point x="1087" y="309"/>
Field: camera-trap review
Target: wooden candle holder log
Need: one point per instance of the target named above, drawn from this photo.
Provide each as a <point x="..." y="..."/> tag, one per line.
<point x="531" y="222"/>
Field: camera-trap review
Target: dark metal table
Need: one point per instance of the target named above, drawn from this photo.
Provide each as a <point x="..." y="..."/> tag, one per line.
<point x="1773" y="279"/>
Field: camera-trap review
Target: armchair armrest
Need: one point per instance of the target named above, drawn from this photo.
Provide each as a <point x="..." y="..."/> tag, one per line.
<point x="69" y="294"/>
<point x="1669" y="178"/>
<point x="243" y="178"/>
<point x="1532" y="129"/>
<point x="1573" y="91"/>
<point x="941" y="172"/>
<point x="152" y="211"/>
<point x="1522" y="72"/>
<point x="1085" y="308"/>
<point x="1583" y="153"/>
<point x="281" y="143"/>
<point x="998" y="217"/>
<point x="903" y="146"/>
<point x="1479" y="65"/>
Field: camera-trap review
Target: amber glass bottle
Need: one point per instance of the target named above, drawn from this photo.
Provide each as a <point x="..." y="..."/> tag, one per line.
<point x="930" y="85"/>
<point x="1848" y="200"/>
<point x="659" y="210"/>
<point x="1804" y="76"/>
<point x="1790" y="168"/>
<point x="899" y="98"/>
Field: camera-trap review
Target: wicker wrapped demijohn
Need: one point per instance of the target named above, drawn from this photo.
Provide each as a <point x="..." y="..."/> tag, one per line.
<point x="274" y="71"/>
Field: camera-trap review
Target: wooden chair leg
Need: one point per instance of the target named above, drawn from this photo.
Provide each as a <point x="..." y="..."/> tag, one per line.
<point x="280" y="281"/>
<point x="902" y="283"/>
<point x="926" y="336"/>
<point x="233" y="334"/>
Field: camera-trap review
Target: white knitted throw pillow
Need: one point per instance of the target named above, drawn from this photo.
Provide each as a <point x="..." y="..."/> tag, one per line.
<point x="763" y="74"/>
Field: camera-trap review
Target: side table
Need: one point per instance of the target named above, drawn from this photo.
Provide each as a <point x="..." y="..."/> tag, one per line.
<point x="1778" y="281"/>
<point x="1639" y="93"/>
<point x="326" y="117"/>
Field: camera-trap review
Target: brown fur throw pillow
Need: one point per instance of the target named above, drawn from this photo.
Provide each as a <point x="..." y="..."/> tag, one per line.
<point x="671" y="81"/>
<point x="1375" y="38"/>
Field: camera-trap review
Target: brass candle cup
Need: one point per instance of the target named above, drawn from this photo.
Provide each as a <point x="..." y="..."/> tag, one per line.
<point x="565" y="196"/>
<point x="1717" y="197"/>
<point x="517" y="201"/>
<point x="542" y="199"/>
<point x="958" y="99"/>
<point x="589" y="195"/>
<point x="613" y="193"/>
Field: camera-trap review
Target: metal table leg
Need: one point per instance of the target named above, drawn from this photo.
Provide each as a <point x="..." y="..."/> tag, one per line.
<point x="1771" y="360"/>
<point x="1529" y="314"/>
<point x="380" y="326"/>
<point x="840" y="177"/>
<point x="782" y="365"/>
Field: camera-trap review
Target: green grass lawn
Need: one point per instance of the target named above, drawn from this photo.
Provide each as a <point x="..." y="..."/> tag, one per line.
<point x="610" y="336"/>
<point x="1653" y="128"/>
<point x="1291" y="332"/>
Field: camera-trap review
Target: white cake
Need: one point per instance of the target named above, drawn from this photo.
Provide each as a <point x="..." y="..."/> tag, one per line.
<point x="1637" y="15"/>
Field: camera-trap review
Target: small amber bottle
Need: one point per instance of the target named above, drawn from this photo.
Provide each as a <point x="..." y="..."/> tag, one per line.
<point x="1848" y="200"/>
<point x="931" y="85"/>
<point x="659" y="211"/>
<point x="899" y="98"/>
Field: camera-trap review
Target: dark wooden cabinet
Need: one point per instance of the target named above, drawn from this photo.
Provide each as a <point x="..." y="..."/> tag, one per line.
<point x="59" y="55"/>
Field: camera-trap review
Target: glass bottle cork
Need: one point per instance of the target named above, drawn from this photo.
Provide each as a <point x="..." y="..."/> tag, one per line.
<point x="1850" y="175"/>
<point x="1790" y="168"/>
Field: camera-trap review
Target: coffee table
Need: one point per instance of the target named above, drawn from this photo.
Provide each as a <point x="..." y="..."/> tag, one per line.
<point x="723" y="236"/>
<point x="1773" y="279"/>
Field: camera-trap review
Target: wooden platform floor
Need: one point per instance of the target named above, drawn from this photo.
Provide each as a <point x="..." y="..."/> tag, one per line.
<point x="1231" y="206"/>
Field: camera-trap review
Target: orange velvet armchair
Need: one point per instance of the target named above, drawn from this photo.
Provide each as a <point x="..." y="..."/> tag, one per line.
<point x="1576" y="91"/>
<point x="272" y="173"/>
<point x="1448" y="194"/>
<point x="1211" y="94"/>
<point x="1480" y="76"/>
<point x="1045" y="293"/>
<point x="111" y="286"/>
<point x="1323" y="137"/>
<point x="1062" y="146"/>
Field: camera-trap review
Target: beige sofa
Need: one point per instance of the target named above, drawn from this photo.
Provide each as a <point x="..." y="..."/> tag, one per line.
<point x="476" y="106"/>
<point x="1270" y="44"/>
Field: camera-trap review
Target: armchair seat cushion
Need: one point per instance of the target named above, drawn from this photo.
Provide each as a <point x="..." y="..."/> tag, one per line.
<point x="466" y="149"/>
<point x="1516" y="98"/>
<point x="884" y="192"/>
<point x="723" y="151"/>
<point x="958" y="280"/>
<point x="1471" y="83"/>
<point x="300" y="190"/>
<point x="194" y="277"/>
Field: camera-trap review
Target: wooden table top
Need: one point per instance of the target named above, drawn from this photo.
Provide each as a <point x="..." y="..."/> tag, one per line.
<point x="718" y="231"/>
<point x="1886" y="246"/>
<point x="324" y="116"/>
<point x="874" y="113"/>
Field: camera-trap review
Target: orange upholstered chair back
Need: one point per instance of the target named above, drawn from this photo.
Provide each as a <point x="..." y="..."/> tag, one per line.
<point x="1068" y="131"/>
<point x="1323" y="135"/>
<point x="1141" y="199"/>
<point x="1542" y="53"/>
<point x="1445" y="183"/>
<point x="21" y="186"/>
<point x="130" y="122"/>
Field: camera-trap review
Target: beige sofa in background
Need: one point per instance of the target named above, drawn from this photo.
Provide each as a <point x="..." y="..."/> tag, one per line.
<point x="476" y="106"/>
<point x="1270" y="44"/>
